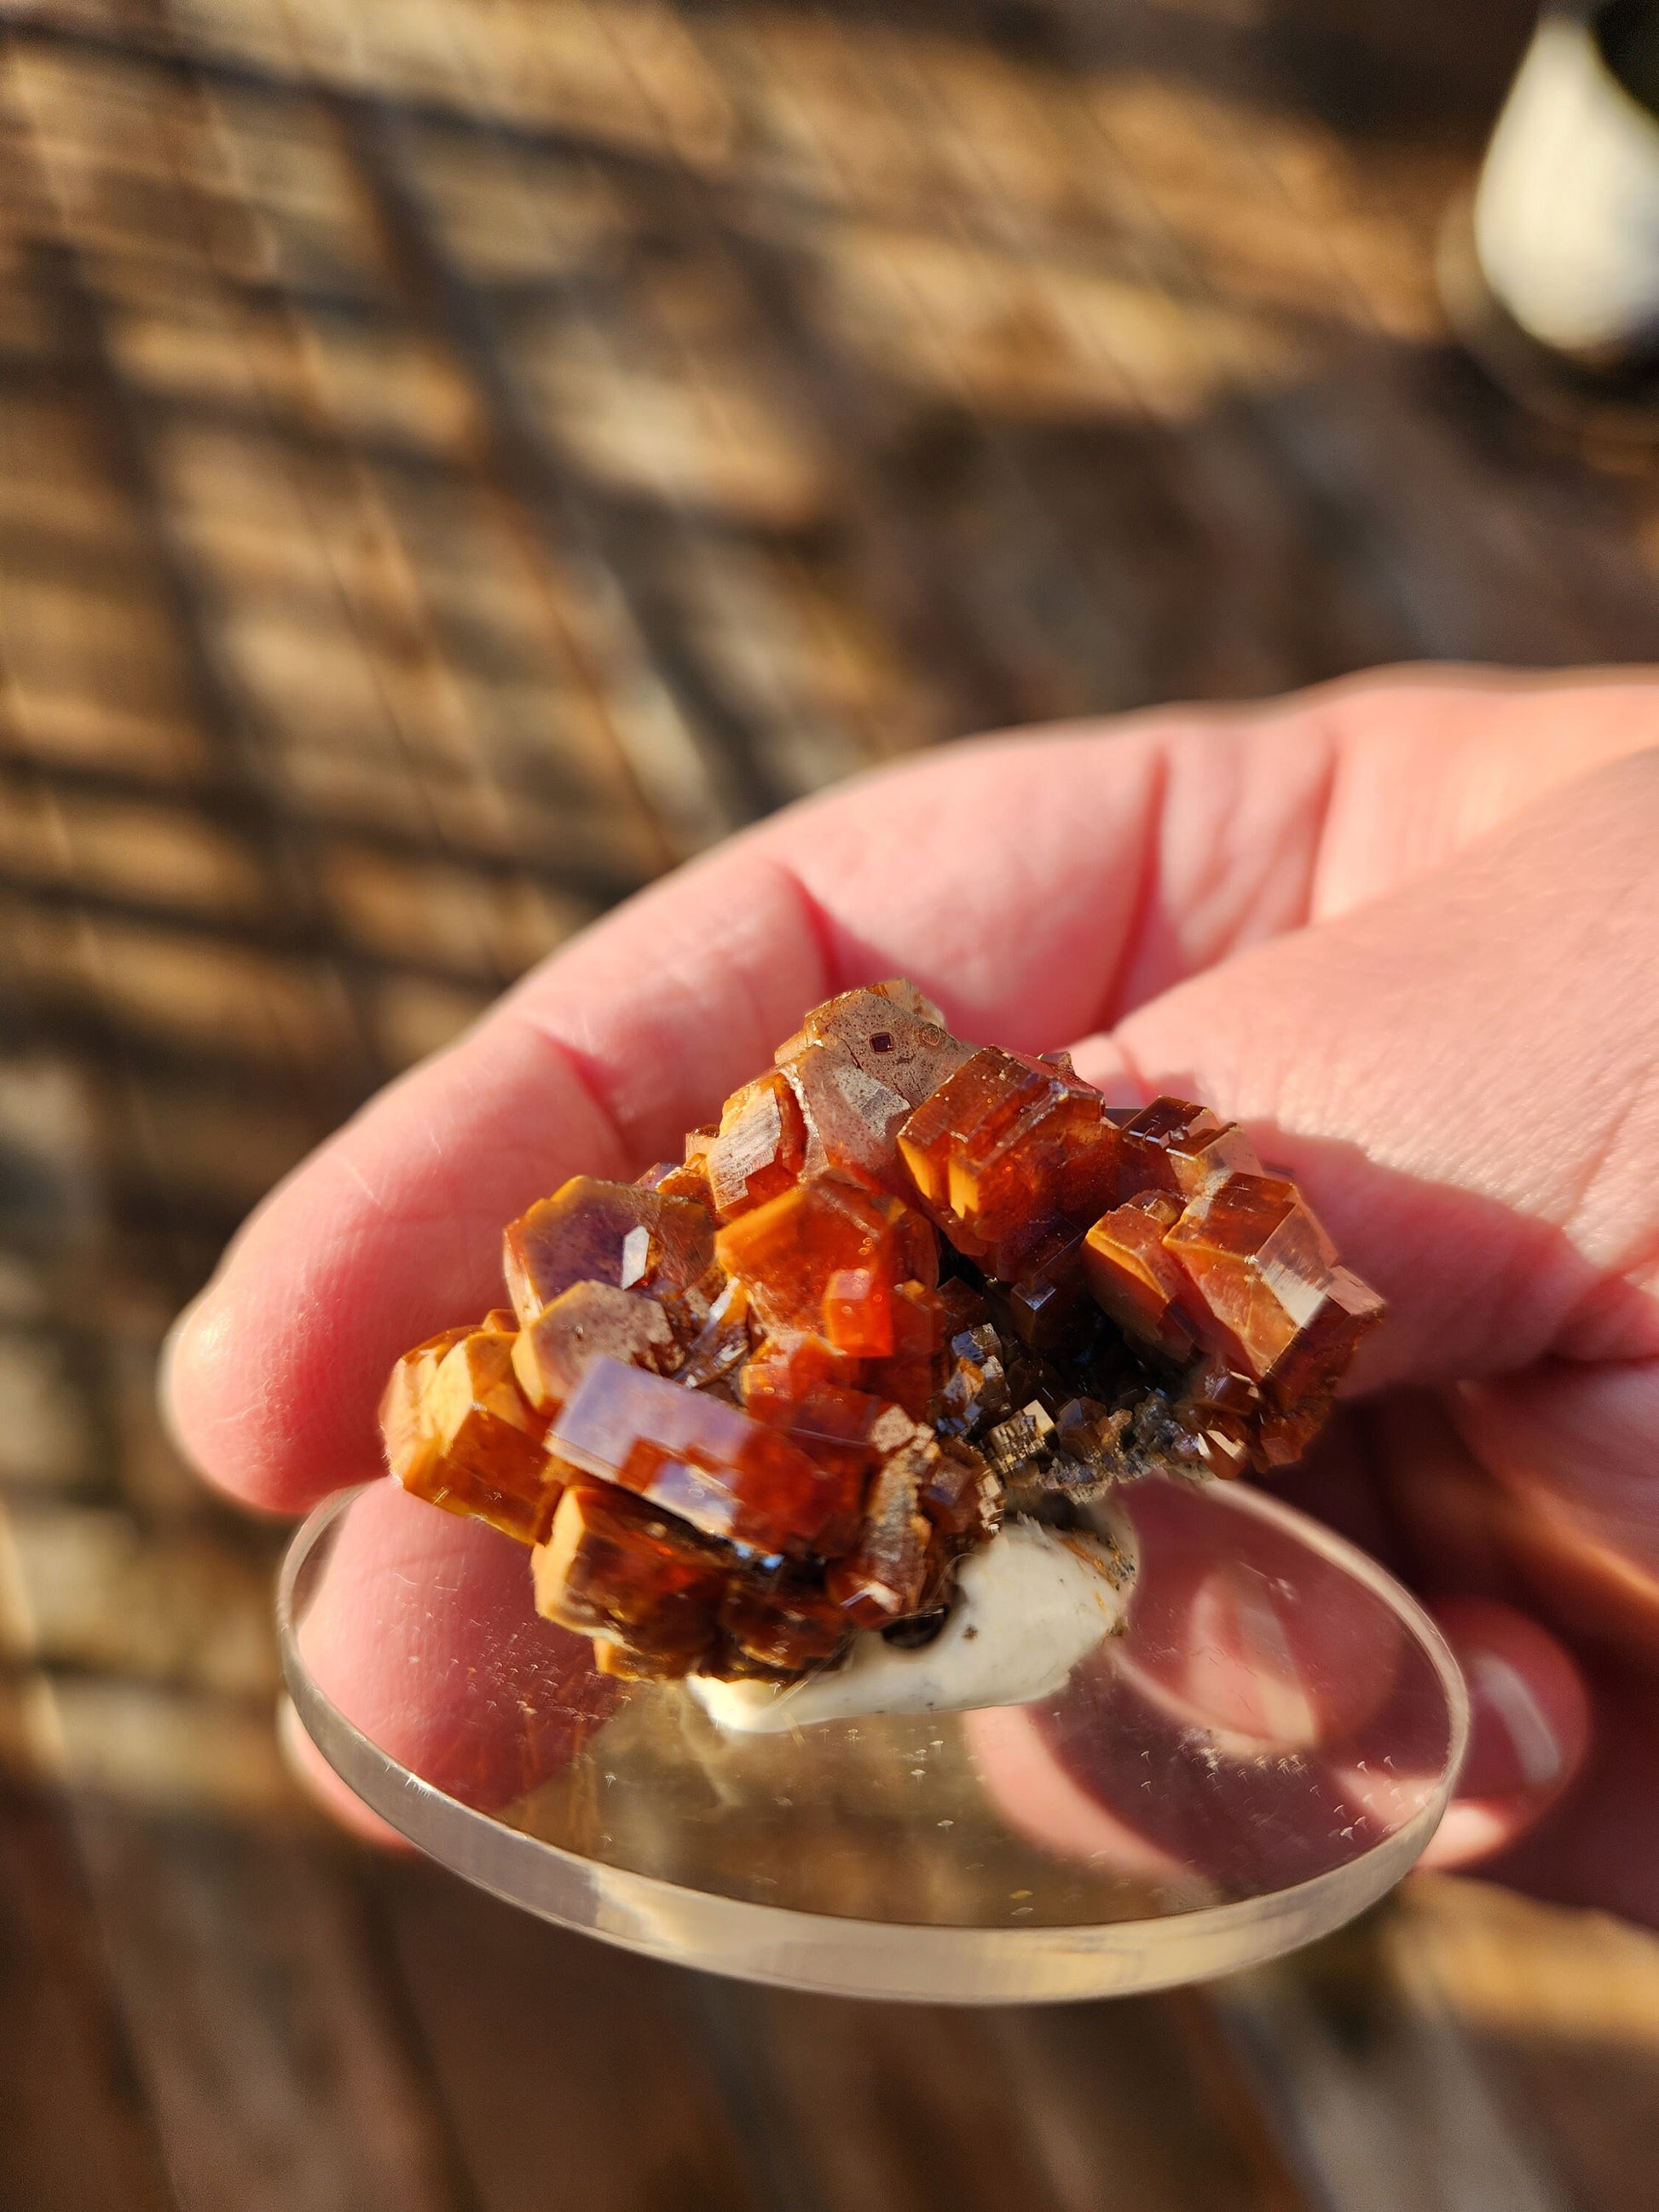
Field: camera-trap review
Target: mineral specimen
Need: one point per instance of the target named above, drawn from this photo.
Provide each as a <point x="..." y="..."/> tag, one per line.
<point x="905" y="1288"/>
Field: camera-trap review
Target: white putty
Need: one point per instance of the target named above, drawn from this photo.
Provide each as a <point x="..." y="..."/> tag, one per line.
<point x="1028" y="1608"/>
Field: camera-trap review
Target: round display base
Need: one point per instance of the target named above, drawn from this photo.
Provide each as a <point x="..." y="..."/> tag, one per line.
<point x="1262" y="1750"/>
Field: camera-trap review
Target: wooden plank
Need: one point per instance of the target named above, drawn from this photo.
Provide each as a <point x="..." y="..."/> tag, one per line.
<point x="1560" y="2012"/>
<point x="1371" y="2088"/>
<point x="273" y="2058"/>
<point x="75" y="2134"/>
<point x="1061" y="2109"/>
<point x="574" y="2076"/>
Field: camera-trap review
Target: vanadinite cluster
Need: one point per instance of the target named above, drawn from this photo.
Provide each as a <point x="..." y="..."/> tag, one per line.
<point x="768" y="1397"/>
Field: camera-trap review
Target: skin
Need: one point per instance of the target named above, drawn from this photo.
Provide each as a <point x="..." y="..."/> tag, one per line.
<point x="1405" y="928"/>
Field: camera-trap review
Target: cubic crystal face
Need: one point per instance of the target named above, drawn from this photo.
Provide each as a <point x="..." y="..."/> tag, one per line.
<point x="461" y="1433"/>
<point x="551" y="1354"/>
<point x="769" y="1397"/>
<point x="618" y="1233"/>
<point x="1006" y="1152"/>
<point x="695" y="1456"/>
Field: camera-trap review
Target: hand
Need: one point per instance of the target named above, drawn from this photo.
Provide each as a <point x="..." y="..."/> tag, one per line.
<point x="1408" y="929"/>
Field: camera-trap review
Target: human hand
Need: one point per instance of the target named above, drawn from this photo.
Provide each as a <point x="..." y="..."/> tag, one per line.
<point x="1408" y="929"/>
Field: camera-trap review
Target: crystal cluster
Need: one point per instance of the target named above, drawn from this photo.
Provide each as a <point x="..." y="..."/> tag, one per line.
<point x="771" y="1396"/>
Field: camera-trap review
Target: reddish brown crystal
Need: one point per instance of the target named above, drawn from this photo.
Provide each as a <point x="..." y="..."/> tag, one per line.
<point x="782" y="1621"/>
<point x="706" y="1461"/>
<point x="635" y="1579"/>
<point x="857" y="1066"/>
<point x="959" y="1495"/>
<point x="618" y="1233"/>
<point x="1173" y="1144"/>
<point x="552" y="1353"/>
<point x="459" y="1433"/>
<point x="717" y="1354"/>
<point x="889" y="1030"/>
<point x="786" y="1365"/>
<point x="1257" y="1261"/>
<point x="827" y="1258"/>
<point x="911" y="1373"/>
<point x="1007" y="1150"/>
<point x="974" y="1392"/>
<point x="1048" y="1297"/>
<point x="759" y="1149"/>
<point x="1135" y="1278"/>
<point x="885" y="1575"/>
<point x="1319" y="1355"/>
<point x="740" y="1415"/>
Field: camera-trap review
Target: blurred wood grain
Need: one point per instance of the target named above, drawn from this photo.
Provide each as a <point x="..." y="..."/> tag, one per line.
<point x="456" y="460"/>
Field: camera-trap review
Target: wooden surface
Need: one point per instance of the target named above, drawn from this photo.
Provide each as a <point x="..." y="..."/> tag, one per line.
<point x="457" y="456"/>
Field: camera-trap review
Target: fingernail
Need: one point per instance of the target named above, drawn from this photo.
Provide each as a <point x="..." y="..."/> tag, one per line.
<point x="1512" y="1745"/>
<point x="1528" y="1710"/>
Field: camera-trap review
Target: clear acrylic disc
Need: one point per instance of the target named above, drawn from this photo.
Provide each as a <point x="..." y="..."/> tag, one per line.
<point x="1263" y="1750"/>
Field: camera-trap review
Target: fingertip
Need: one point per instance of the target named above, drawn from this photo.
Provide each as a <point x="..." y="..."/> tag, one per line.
<point x="1530" y="1714"/>
<point x="192" y="1376"/>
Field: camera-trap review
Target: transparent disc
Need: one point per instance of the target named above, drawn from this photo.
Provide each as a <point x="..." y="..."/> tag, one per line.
<point x="1263" y="1750"/>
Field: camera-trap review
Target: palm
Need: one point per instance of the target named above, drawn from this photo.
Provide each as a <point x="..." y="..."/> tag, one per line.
<point x="1409" y="932"/>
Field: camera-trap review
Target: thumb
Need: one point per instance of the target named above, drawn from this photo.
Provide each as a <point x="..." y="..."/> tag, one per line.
<point x="1464" y="1077"/>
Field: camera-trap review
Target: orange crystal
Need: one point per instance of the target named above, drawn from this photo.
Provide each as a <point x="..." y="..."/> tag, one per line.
<point x="706" y="1461"/>
<point x="459" y="1433"/>
<point x="1005" y="1151"/>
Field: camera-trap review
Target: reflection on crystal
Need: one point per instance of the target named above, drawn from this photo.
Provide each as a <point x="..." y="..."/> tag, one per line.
<point x="1004" y="1150"/>
<point x="694" y="1456"/>
<point x="618" y="1233"/>
<point x="760" y="1148"/>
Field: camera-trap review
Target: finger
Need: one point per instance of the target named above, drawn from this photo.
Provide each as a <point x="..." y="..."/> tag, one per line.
<point x="1529" y="1728"/>
<point x="1465" y="1077"/>
<point x="1573" y="1492"/>
<point x="1594" y="1847"/>
<point x="420" y="1631"/>
<point x="1030" y="884"/>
